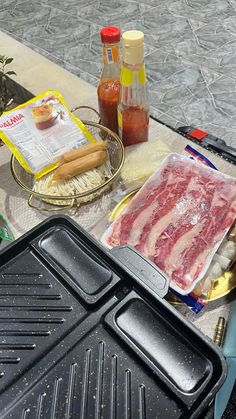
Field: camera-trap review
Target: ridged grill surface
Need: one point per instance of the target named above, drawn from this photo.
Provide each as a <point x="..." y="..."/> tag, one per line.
<point x="35" y="311"/>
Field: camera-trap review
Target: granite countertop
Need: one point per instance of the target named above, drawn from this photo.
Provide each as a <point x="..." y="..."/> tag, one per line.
<point x="190" y="50"/>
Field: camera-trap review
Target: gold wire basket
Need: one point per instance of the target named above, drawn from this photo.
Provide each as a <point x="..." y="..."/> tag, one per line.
<point x="26" y="180"/>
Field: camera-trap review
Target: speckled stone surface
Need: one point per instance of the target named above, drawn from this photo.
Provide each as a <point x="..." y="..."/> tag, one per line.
<point x="190" y="50"/>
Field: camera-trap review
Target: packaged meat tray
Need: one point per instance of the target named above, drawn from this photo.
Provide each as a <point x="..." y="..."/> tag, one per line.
<point x="178" y="219"/>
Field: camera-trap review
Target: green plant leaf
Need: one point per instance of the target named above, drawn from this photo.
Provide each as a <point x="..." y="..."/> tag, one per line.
<point x="10" y="73"/>
<point x="8" y="61"/>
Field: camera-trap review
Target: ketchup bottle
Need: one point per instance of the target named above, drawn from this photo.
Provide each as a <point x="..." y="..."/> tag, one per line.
<point x="109" y="85"/>
<point x="133" y="107"/>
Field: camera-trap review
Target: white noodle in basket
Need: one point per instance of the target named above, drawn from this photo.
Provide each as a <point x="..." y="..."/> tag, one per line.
<point x="78" y="184"/>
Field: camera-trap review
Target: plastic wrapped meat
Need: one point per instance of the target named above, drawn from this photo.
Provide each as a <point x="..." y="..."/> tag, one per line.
<point x="178" y="219"/>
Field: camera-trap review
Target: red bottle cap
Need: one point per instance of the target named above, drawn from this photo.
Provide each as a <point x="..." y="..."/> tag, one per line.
<point x="110" y="34"/>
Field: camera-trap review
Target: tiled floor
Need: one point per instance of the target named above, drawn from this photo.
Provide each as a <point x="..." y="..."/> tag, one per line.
<point x="190" y="50"/>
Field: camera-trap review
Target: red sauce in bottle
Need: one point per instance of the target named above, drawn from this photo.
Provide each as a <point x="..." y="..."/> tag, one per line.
<point x="108" y="96"/>
<point x="135" y="123"/>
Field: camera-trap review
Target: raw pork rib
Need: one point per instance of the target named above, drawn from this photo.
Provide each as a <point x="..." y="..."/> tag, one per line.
<point x="178" y="218"/>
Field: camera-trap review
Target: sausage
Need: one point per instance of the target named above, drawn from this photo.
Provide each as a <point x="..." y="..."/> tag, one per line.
<point x="76" y="167"/>
<point x="83" y="151"/>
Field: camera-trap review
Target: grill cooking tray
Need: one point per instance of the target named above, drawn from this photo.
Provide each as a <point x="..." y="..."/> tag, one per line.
<point x="85" y="334"/>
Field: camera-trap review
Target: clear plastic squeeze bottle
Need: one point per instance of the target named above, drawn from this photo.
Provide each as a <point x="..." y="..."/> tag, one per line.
<point x="133" y="107"/>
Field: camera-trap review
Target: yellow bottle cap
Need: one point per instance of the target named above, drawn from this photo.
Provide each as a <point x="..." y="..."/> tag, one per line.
<point x="133" y="47"/>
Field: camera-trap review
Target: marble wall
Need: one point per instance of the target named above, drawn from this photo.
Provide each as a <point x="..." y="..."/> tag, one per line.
<point x="190" y="50"/>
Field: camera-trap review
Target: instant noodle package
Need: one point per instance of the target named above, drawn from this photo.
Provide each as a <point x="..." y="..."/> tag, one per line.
<point x="41" y="130"/>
